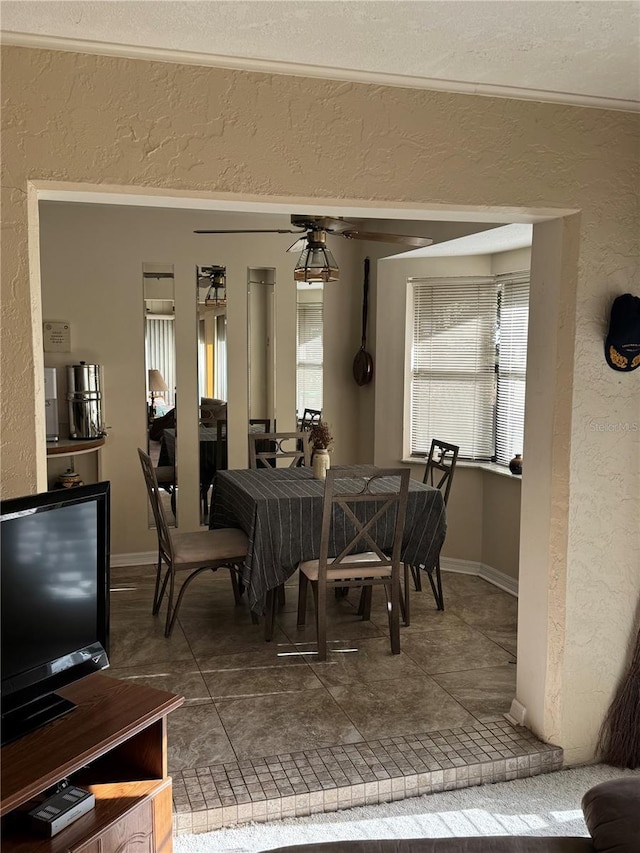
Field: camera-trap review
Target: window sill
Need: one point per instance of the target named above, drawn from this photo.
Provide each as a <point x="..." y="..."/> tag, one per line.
<point x="490" y="467"/>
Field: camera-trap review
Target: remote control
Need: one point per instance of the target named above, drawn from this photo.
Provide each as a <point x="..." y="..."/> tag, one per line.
<point x="61" y="809"/>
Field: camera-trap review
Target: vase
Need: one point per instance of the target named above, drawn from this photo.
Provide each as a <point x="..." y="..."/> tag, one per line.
<point x="68" y="480"/>
<point x="321" y="464"/>
<point x="515" y="466"/>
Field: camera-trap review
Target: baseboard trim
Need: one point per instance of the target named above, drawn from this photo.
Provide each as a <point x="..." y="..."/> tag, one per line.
<point x="517" y="713"/>
<point x="447" y="564"/>
<point x="482" y="570"/>
<point x="143" y="558"/>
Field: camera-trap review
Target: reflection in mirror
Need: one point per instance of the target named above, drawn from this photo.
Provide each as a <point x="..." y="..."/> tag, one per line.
<point x="160" y="372"/>
<point x="262" y="360"/>
<point x="212" y="377"/>
<point x="309" y="348"/>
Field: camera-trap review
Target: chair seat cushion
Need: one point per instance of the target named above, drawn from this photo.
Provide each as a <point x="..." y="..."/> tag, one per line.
<point x="204" y="547"/>
<point x="349" y="572"/>
<point x="165" y="475"/>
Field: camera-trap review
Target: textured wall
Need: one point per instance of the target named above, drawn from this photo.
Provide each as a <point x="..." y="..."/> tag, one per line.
<point x="98" y="120"/>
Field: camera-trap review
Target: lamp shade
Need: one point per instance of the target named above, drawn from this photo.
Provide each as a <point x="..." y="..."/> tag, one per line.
<point x="316" y="263"/>
<point x="156" y="381"/>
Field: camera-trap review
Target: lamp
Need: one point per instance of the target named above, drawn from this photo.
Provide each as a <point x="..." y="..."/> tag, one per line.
<point x="157" y="386"/>
<point x="316" y="263"/>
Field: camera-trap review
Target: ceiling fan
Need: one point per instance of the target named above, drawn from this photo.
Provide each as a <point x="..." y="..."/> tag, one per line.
<point x="316" y="263"/>
<point x="214" y="278"/>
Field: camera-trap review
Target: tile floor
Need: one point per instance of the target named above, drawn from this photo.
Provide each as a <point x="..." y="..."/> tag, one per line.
<point x="266" y="732"/>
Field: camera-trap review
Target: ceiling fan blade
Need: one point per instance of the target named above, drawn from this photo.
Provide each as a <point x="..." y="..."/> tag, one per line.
<point x="250" y="231"/>
<point x="400" y="239"/>
<point x="298" y="246"/>
<point x="321" y="223"/>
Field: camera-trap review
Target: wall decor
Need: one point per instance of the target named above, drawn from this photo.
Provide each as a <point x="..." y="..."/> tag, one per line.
<point x="622" y="344"/>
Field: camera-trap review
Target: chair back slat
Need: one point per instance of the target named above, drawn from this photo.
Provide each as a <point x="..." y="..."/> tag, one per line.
<point x="309" y="418"/>
<point x="278" y="444"/>
<point x="441" y="466"/>
<point x="153" y="492"/>
<point x="346" y="495"/>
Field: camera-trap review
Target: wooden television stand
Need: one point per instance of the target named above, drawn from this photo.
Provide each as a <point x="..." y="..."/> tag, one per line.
<point x="114" y="743"/>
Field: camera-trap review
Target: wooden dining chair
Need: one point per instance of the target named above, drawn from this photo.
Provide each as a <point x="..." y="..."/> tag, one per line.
<point x="166" y="477"/>
<point x="354" y="509"/>
<point x="265" y="423"/>
<point x="438" y="473"/>
<point x="310" y="417"/>
<point x="198" y="551"/>
<point x="266" y="448"/>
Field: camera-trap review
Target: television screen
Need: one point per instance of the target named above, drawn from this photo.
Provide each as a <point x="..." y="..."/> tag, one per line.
<point x="54" y="563"/>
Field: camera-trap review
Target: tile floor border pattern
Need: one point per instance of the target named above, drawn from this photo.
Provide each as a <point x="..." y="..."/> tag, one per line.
<point x="366" y="773"/>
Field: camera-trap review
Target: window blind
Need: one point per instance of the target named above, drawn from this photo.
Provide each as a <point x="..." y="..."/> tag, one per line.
<point x="513" y="321"/>
<point x="453" y="358"/>
<point x="309" y="356"/>
<point x="220" y="377"/>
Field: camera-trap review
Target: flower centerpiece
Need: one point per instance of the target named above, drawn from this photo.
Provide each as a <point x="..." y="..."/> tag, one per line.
<point x="321" y="442"/>
<point x="321" y="438"/>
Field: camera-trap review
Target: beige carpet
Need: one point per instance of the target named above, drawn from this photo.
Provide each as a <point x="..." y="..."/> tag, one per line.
<point x="547" y="805"/>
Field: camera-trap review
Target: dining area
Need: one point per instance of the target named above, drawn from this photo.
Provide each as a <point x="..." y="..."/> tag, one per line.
<point x="282" y="512"/>
<point x="349" y="526"/>
<point x="299" y="699"/>
<point x="268" y="729"/>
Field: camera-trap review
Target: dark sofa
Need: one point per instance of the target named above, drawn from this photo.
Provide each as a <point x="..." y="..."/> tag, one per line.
<point x="611" y="812"/>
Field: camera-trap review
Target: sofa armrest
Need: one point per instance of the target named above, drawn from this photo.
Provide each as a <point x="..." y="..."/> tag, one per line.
<point x="612" y="814"/>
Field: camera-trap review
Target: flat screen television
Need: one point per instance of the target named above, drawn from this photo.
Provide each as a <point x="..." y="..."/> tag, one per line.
<point x="54" y="576"/>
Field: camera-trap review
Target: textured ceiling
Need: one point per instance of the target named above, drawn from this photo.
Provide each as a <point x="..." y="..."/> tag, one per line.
<point x="574" y="51"/>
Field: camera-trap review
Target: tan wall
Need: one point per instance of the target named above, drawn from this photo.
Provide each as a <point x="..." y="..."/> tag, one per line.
<point x="465" y="521"/>
<point x="95" y="120"/>
<point x="505" y="262"/>
<point x="501" y="523"/>
<point x="92" y="257"/>
<point x="501" y="494"/>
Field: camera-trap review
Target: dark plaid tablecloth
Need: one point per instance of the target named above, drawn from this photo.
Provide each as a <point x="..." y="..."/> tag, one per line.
<point x="208" y="437"/>
<point x="280" y="510"/>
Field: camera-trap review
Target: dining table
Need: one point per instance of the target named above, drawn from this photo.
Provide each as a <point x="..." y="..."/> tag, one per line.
<point x="280" y="510"/>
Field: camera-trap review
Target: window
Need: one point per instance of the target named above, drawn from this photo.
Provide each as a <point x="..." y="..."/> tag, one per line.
<point x="513" y="320"/>
<point x="309" y="356"/>
<point x="220" y="377"/>
<point x="468" y="364"/>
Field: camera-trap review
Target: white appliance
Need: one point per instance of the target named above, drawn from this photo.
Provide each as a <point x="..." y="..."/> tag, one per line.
<point x="51" y="403"/>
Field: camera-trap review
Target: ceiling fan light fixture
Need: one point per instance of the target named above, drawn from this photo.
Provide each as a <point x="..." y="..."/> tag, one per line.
<point x="215" y="278"/>
<point x="316" y="263"/>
